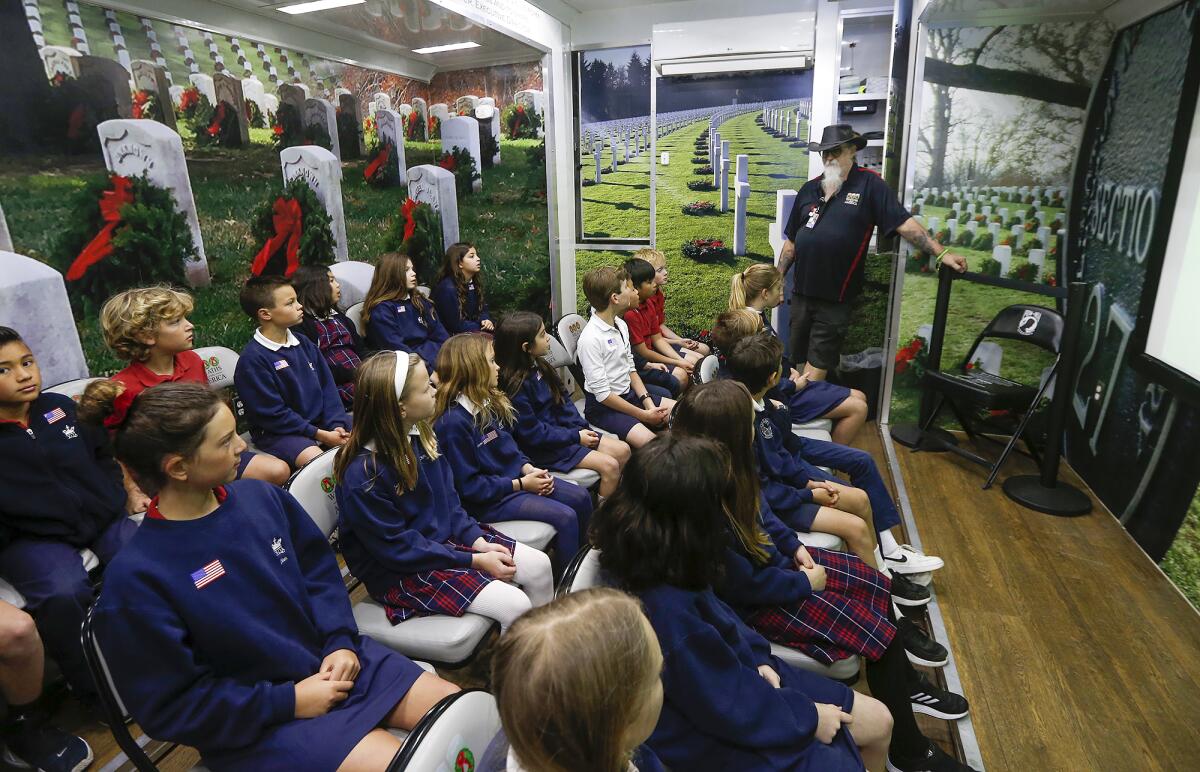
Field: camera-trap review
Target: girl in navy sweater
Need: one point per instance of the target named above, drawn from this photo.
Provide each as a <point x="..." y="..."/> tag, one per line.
<point x="727" y="702"/>
<point x="760" y="288"/>
<point x="335" y="335"/>
<point x="495" y="480"/>
<point x="577" y="683"/>
<point x="225" y="621"/>
<point x="397" y="316"/>
<point x="549" y="429"/>
<point x="829" y="605"/>
<point x="400" y="524"/>
<point x="458" y="293"/>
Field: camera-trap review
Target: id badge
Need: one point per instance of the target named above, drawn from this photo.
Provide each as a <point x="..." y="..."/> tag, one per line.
<point x="813" y="216"/>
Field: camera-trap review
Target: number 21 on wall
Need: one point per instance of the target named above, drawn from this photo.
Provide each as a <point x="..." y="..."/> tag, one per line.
<point x="1097" y="379"/>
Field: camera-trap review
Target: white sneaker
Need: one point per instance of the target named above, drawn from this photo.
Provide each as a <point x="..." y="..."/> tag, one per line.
<point x="907" y="560"/>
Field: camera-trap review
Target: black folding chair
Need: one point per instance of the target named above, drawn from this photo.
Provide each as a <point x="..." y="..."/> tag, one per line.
<point x="964" y="388"/>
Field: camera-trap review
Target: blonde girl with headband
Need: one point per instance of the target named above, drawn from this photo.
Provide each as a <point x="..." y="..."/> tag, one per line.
<point x="760" y="288"/>
<point x="402" y="529"/>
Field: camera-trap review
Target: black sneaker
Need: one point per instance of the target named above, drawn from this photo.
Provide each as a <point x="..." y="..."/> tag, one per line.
<point x="932" y="701"/>
<point x="920" y="648"/>
<point x="906" y="592"/>
<point x="936" y="760"/>
<point x="48" y="749"/>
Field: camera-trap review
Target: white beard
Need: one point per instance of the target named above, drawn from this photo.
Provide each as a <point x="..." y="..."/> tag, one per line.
<point x="833" y="179"/>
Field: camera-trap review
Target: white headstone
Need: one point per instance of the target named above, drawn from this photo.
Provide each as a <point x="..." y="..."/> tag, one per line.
<point x="743" y="168"/>
<point x="272" y="103"/>
<point x="420" y="106"/>
<point x="1003" y="255"/>
<point x="1038" y="257"/>
<point x="1003" y="214"/>
<point x="176" y="95"/>
<point x="934" y="222"/>
<point x="952" y="226"/>
<point x="597" y="151"/>
<point x="1043" y="235"/>
<point x="989" y="355"/>
<point x="434" y="185"/>
<point x="972" y="226"/>
<point x="323" y="173"/>
<point x="355" y="279"/>
<point x="612" y="146"/>
<point x="253" y="89"/>
<point x="784" y="200"/>
<point x="229" y="92"/>
<point x="60" y="60"/>
<point x="714" y="154"/>
<point x="994" y="229"/>
<point x="405" y="111"/>
<point x="319" y="112"/>
<point x="489" y="101"/>
<point x="665" y="158"/>
<point x="1020" y="215"/>
<point x="382" y="100"/>
<point x="390" y="128"/>
<point x="31" y="290"/>
<point x="490" y="117"/>
<point x="1017" y="231"/>
<point x="463" y="132"/>
<point x="205" y="85"/>
<point x="135" y="147"/>
<point x="440" y="111"/>
<point x="724" y="184"/>
<point x="987" y="211"/>
<point x="739" y="221"/>
<point x="6" y="243"/>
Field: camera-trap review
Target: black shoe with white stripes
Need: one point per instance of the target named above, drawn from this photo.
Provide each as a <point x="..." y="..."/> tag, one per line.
<point x="936" y="760"/>
<point x="932" y="701"/>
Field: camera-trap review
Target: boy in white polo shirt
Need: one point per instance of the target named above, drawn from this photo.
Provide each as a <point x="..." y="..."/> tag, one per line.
<point x="615" y="399"/>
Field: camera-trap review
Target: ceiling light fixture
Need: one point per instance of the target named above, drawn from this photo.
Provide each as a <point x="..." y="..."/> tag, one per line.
<point x="447" y="47"/>
<point x="317" y="5"/>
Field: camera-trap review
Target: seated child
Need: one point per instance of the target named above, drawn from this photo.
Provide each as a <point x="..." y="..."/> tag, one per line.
<point x="805" y="497"/>
<point x="226" y="623"/>
<point x="401" y="527"/>
<point x="828" y="605"/>
<point x="149" y="327"/>
<point x="334" y="335"/>
<point x="62" y="492"/>
<point x="494" y="479"/>
<point x="29" y="739"/>
<point x="291" y="401"/>
<point x="694" y="349"/>
<point x="578" y="686"/>
<point x="760" y="288"/>
<point x="549" y="429"/>
<point x="458" y="291"/>
<point x="397" y="316"/>
<point x="727" y="702"/>
<point x="616" y="400"/>
<point x="728" y="328"/>
<point x="645" y="337"/>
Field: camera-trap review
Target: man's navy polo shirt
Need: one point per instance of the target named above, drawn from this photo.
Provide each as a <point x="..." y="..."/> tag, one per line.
<point x="830" y="255"/>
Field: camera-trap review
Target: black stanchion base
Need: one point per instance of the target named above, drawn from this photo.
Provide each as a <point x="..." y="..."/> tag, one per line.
<point x="1062" y="500"/>
<point x="911" y="436"/>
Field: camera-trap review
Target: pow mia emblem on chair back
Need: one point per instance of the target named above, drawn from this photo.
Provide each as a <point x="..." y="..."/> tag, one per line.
<point x="1029" y="322"/>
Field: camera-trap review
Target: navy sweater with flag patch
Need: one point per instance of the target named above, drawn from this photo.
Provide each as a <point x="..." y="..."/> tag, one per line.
<point x="289" y="392"/>
<point x="58" y="479"/>
<point x="486" y="460"/>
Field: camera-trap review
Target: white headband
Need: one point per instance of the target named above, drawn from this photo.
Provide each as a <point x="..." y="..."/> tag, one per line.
<point x="401" y="373"/>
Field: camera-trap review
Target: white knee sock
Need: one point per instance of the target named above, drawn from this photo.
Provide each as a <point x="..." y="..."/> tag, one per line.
<point x="534" y="574"/>
<point x="500" y="601"/>
<point x="887" y="543"/>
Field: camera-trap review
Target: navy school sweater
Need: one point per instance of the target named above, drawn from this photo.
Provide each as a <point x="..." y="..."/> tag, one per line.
<point x="58" y="479"/>
<point x="782" y="469"/>
<point x="398" y="325"/>
<point x="749" y="585"/>
<point x="445" y="297"/>
<point x="542" y="426"/>
<point x="214" y="666"/>
<point x="486" y="460"/>
<point x="386" y="537"/>
<point x="290" y="391"/>
<point x="718" y="712"/>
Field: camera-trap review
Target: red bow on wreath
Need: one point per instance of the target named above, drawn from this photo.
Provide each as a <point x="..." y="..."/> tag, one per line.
<point x="287" y="219"/>
<point x="379" y="162"/>
<point x="449" y="162"/>
<point x="410" y="224"/>
<point x="214" y="128"/>
<point x="101" y="247"/>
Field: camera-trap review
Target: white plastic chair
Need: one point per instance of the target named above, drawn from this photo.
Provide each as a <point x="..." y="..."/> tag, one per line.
<point x="424" y="291"/>
<point x="73" y="389"/>
<point x="355" y="314"/>
<point x="708" y="368"/>
<point x="220" y="364"/>
<point x="461" y="726"/>
<point x="354" y="277"/>
<point x="569" y="327"/>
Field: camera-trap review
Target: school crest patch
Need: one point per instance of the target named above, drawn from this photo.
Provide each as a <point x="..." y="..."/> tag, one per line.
<point x="766" y="429"/>
<point x="852" y="199"/>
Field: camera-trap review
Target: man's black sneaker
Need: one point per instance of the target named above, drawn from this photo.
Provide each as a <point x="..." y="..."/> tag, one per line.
<point x="932" y="701"/>
<point x="920" y="648"/>
<point x="46" y="748"/>
<point x="936" y="760"/>
<point x="906" y="592"/>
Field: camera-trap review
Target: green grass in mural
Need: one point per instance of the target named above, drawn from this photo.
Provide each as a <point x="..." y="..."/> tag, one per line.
<point x="507" y="220"/>
<point x="619" y="207"/>
<point x="1182" y="561"/>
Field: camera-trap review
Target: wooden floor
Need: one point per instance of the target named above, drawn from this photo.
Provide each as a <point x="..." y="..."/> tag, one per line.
<point x="1075" y="651"/>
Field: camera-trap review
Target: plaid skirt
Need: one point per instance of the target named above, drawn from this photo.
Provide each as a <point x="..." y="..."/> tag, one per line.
<point x="443" y="591"/>
<point x="849" y="617"/>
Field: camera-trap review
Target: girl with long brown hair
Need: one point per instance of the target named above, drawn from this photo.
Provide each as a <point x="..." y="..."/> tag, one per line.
<point x="401" y="527"/>
<point x="495" y="480"/>
<point x="827" y="604"/>
<point x="397" y="316"/>
<point x="333" y="333"/>
<point x="549" y="429"/>
<point x="458" y="291"/>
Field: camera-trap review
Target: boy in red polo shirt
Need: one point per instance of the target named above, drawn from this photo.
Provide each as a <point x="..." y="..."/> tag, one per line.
<point x="691" y="350"/>
<point x="149" y="327"/>
<point x="657" y="362"/>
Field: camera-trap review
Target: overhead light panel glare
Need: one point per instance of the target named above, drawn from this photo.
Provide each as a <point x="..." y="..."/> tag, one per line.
<point x="447" y="47"/>
<point x="317" y="5"/>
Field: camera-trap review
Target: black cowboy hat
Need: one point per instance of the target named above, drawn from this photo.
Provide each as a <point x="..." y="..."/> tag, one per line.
<point x="837" y="135"/>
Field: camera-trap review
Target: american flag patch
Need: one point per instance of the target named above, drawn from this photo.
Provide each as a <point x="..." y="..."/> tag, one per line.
<point x="282" y="363"/>
<point x="489" y="437"/>
<point x="57" y="414"/>
<point x="209" y="574"/>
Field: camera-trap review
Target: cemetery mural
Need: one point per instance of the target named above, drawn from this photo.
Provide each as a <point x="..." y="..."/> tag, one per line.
<point x="1001" y="116"/>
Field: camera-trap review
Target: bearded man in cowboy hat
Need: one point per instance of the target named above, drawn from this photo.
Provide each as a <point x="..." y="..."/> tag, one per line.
<point x="827" y="236"/>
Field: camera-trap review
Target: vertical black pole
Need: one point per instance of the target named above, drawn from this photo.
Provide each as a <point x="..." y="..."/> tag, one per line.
<point x="941" y="310"/>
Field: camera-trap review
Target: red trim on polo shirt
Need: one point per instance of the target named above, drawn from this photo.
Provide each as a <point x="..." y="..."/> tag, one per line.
<point x="862" y="248"/>
<point x="153" y="513"/>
